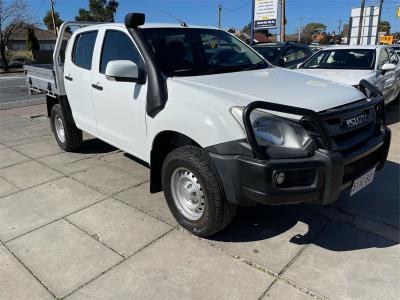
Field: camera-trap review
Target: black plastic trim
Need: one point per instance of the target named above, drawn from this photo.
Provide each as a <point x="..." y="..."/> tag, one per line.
<point x="157" y="91"/>
<point x="248" y="180"/>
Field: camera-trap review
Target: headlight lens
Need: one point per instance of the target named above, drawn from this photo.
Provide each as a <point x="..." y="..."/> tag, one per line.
<point x="271" y="130"/>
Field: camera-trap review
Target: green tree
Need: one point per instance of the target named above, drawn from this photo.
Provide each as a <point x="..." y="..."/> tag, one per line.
<point x="48" y="20"/>
<point x="32" y="42"/>
<point x="384" y="26"/>
<point x="311" y="29"/>
<point x="99" y="11"/>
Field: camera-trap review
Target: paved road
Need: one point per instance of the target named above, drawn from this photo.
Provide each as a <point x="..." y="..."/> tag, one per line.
<point x="83" y="225"/>
<point x="14" y="93"/>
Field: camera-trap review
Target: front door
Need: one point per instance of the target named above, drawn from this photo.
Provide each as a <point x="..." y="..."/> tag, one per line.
<point x="385" y="81"/>
<point x="120" y="107"/>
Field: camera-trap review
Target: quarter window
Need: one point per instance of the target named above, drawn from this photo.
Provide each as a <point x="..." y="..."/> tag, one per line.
<point x="118" y="46"/>
<point x="83" y="49"/>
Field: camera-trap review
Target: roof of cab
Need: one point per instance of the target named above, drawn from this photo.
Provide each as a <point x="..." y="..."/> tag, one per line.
<point x="150" y="25"/>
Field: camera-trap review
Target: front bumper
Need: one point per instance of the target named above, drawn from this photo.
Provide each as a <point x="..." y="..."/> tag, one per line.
<point x="318" y="179"/>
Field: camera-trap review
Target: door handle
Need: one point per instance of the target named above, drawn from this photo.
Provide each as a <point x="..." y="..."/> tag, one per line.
<point x="97" y="87"/>
<point x="68" y="78"/>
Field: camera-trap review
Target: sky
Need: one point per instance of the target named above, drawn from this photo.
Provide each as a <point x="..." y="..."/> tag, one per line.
<point x="235" y="13"/>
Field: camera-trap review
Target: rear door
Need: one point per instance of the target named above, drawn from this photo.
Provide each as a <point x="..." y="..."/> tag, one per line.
<point x="119" y="106"/>
<point x="78" y="80"/>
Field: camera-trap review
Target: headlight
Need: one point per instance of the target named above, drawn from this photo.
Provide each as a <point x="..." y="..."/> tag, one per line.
<point x="271" y="130"/>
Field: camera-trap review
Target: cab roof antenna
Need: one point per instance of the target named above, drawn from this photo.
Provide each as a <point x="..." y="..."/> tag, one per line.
<point x="183" y="23"/>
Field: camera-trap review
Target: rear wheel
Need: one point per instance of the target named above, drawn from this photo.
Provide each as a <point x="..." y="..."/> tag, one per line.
<point x="194" y="191"/>
<point x="68" y="137"/>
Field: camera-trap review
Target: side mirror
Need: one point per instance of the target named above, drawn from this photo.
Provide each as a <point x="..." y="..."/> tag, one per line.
<point x="282" y="62"/>
<point x="124" y="70"/>
<point x="388" y="67"/>
<point x="299" y="65"/>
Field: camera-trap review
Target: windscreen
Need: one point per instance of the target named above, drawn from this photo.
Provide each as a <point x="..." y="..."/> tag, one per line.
<point x="194" y="52"/>
<point x="359" y="59"/>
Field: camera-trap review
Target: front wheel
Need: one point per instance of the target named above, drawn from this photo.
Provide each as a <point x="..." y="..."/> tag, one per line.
<point x="194" y="191"/>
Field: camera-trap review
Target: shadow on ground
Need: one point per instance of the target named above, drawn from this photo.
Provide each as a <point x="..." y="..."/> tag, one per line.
<point x="95" y="146"/>
<point x="379" y="202"/>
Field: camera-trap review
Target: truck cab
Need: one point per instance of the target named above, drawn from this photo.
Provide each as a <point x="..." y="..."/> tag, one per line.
<point x="217" y="124"/>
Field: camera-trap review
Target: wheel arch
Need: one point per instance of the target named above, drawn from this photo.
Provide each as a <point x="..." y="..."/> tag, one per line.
<point x="66" y="108"/>
<point x="163" y="143"/>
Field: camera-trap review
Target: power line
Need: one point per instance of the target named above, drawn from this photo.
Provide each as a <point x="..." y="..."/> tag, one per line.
<point x="237" y="8"/>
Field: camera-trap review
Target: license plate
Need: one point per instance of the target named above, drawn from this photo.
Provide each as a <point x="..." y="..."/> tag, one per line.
<point x="362" y="182"/>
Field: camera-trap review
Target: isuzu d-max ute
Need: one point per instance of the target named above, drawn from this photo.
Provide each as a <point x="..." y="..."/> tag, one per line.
<point x="216" y="123"/>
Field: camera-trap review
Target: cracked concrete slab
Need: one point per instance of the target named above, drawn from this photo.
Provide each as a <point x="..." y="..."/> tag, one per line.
<point x="141" y="198"/>
<point x="119" y="226"/>
<point x="27" y="210"/>
<point x="346" y="263"/>
<point x="9" y="157"/>
<point x="39" y="149"/>
<point x="270" y="236"/>
<point x="63" y="257"/>
<point x="29" y="174"/>
<point x="6" y="188"/>
<point x="16" y="282"/>
<point x="283" y="291"/>
<point x="69" y="163"/>
<point x="107" y="179"/>
<point x="178" y="266"/>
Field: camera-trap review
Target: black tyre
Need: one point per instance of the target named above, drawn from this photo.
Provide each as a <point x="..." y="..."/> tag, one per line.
<point x="194" y="191"/>
<point x="69" y="138"/>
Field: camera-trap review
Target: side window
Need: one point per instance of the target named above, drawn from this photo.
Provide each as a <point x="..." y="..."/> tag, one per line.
<point x="300" y="53"/>
<point x="118" y="46"/>
<point x="289" y="55"/>
<point x="383" y="58"/>
<point x="82" y="53"/>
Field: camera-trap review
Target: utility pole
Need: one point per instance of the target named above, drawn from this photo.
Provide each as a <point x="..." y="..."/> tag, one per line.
<point x="379" y="21"/>
<point x="301" y="25"/>
<point x="219" y="15"/>
<point x="252" y="23"/>
<point x="283" y="21"/>
<point x="360" y="24"/>
<point x="53" y="17"/>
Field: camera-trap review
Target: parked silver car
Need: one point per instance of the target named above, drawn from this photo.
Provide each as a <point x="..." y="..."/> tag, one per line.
<point x="350" y="64"/>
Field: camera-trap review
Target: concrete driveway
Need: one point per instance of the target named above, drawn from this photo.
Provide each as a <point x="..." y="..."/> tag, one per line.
<point x="84" y="226"/>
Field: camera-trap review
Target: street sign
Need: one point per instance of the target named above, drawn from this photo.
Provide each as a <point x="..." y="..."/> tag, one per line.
<point x="265" y="14"/>
<point x="398" y="11"/>
<point x="369" y="27"/>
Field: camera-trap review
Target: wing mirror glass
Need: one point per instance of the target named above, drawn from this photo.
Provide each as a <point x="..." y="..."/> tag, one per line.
<point x="124" y="70"/>
<point x="388" y="67"/>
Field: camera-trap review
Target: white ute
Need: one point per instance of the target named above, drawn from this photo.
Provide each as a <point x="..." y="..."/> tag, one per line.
<point x="216" y="123"/>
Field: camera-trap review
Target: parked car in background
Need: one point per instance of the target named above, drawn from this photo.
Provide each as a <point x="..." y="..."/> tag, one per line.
<point x="315" y="48"/>
<point x="379" y="65"/>
<point x="286" y="55"/>
<point x="396" y="48"/>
